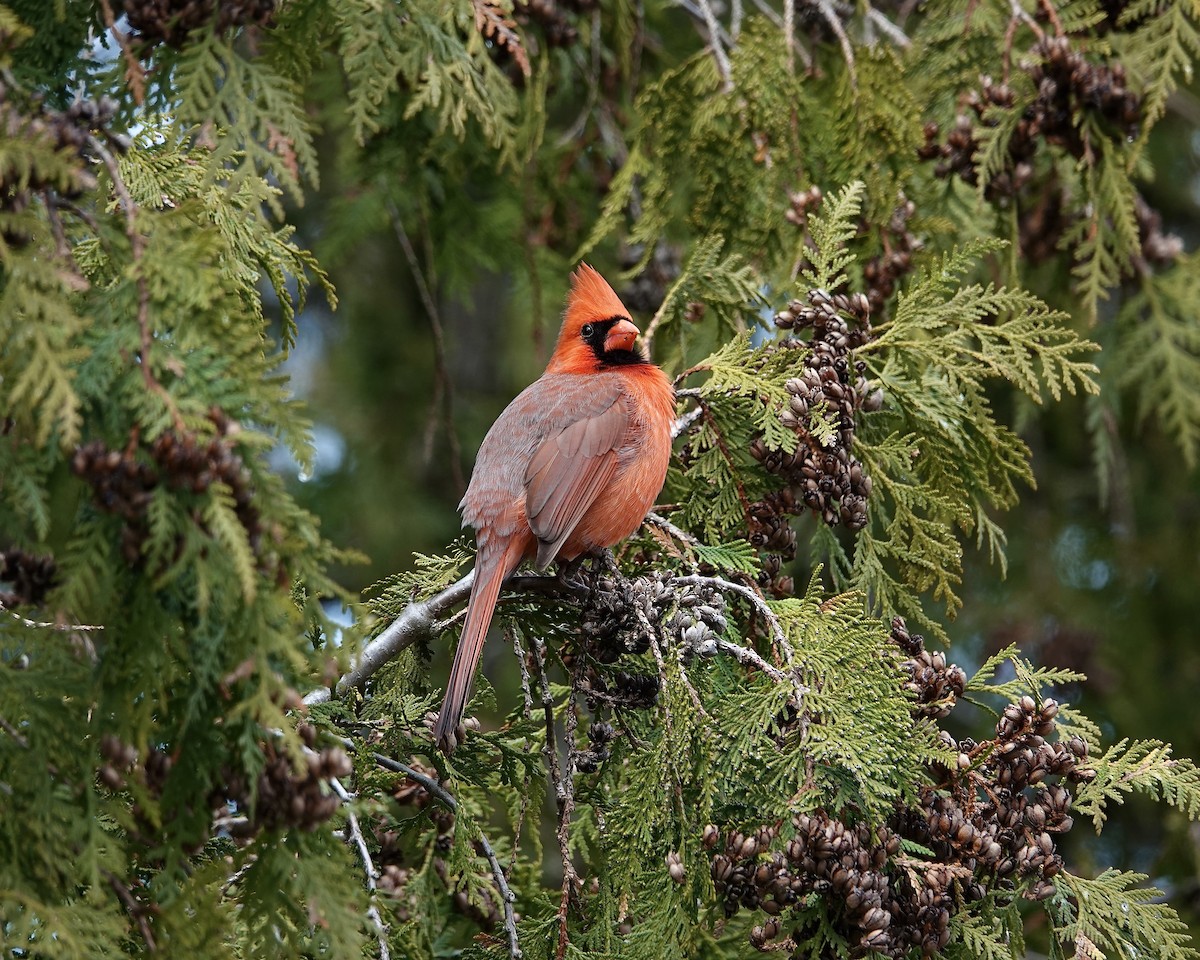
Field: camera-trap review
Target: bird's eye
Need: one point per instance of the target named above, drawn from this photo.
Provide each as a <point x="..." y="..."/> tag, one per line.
<point x="587" y="331"/>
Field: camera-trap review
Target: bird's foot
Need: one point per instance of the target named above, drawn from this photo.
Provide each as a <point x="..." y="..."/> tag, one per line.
<point x="568" y="574"/>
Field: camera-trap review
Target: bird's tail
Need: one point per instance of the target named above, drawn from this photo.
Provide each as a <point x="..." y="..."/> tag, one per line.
<point x="491" y="570"/>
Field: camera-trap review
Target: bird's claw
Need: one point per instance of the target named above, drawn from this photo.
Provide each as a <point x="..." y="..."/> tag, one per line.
<point x="568" y="574"/>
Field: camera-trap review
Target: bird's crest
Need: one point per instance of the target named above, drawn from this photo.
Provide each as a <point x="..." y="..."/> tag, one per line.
<point x="591" y="298"/>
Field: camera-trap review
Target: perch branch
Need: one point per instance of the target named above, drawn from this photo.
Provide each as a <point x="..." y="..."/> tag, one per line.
<point x="416" y="621"/>
<point x="421" y="619"/>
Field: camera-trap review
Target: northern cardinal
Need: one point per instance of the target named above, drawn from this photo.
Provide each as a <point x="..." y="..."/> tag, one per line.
<point x="570" y="467"/>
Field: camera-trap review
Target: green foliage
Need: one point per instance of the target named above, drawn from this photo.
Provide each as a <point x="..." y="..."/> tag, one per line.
<point x="1111" y="914"/>
<point x="974" y="332"/>
<point x="725" y="285"/>
<point x="1106" y="241"/>
<point x="429" y="575"/>
<point x="1145" y="766"/>
<point x="1161" y="344"/>
<point x="830" y="233"/>
<point x="260" y="126"/>
<point x="433" y="52"/>
<point x="167" y="792"/>
<point x="1160" y="51"/>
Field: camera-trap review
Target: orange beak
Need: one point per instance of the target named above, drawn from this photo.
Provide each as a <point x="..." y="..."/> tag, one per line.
<point x="621" y="336"/>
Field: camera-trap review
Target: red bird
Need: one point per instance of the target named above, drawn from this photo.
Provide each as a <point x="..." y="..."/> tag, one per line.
<point x="570" y="467"/>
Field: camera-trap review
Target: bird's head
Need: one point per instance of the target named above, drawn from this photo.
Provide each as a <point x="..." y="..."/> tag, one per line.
<point x="597" y="333"/>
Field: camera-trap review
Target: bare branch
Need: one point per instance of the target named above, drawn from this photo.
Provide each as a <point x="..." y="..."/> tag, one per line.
<point x="45" y="625"/>
<point x="789" y="31"/>
<point x="507" y="897"/>
<point x="423" y="619"/>
<point x="682" y="424"/>
<point x="134" y="72"/>
<point x="668" y="527"/>
<point x="898" y="36"/>
<point x="825" y="7"/>
<point x="236" y="877"/>
<point x="717" y="37"/>
<point x="14" y="733"/>
<point x="563" y="793"/>
<point x="356" y="835"/>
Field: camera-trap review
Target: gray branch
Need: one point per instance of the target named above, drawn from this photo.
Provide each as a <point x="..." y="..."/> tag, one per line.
<point x="416" y="621"/>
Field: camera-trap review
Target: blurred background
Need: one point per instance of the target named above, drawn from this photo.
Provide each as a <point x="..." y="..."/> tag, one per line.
<point x="450" y="300"/>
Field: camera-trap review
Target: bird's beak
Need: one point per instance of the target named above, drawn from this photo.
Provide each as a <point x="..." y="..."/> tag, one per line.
<point x="621" y="336"/>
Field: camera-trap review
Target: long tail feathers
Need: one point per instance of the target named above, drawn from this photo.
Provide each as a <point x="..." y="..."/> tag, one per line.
<point x="490" y="573"/>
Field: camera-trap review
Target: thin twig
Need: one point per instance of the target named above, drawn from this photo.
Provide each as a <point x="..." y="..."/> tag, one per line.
<point x="74" y="209"/>
<point x="825" y="8"/>
<point x="568" y="807"/>
<point x="681" y="425"/>
<point x="751" y="657"/>
<point x="134" y="72"/>
<point x="1052" y="15"/>
<point x="1020" y="13"/>
<point x="14" y="733"/>
<point x="693" y="8"/>
<point x="443" y="394"/>
<point x="779" y="638"/>
<point x="360" y="842"/>
<point x="789" y="32"/>
<point x="560" y="792"/>
<point x="136" y="909"/>
<point x="714" y="39"/>
<point x="898" y="36"/>
<point x="45" y="625"/>
<point x="768" y="11"/>
<point x="664" y="524"/>
<point x="527" y="698"/>
<point x="682" y="536"/>
<point x="236" y="877"/>
<point x="230" y="824"/>
<point x="507" y="897"/>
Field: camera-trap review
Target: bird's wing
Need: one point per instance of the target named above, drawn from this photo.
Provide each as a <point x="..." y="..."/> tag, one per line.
<point x="568" y="471"/>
